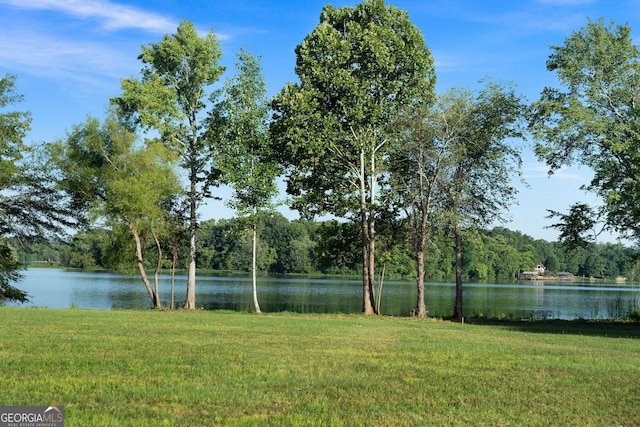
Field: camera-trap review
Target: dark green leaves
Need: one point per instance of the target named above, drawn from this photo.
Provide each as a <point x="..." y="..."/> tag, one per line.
<point x="594" y="119"/>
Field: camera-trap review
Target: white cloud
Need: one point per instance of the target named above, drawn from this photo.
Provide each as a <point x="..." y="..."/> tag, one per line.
<point x="25" y="51"/>
<point x="539" y="170"/>
<point x="113" y="15"/>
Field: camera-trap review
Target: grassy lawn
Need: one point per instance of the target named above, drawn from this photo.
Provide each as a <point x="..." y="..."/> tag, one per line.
<point x="151" y="368"/>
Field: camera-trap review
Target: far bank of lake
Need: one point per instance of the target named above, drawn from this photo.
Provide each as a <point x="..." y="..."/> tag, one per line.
<point x="60" y="288"/>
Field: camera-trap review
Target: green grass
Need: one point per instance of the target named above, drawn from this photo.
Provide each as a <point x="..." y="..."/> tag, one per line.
<point x="151" y="368"/>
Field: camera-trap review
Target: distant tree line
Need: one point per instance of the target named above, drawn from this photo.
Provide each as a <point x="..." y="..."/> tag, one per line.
<point x="332" y="248"/>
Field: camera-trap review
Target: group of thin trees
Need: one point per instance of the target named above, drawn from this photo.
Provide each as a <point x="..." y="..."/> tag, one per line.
<point x="361" y="136"/>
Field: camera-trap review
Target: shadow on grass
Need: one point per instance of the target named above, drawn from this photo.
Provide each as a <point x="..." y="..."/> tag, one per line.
<point x="609" y="329"/>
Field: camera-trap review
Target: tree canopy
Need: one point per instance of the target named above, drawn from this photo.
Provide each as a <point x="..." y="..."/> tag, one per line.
<point x="594" y="120"/>
<point x="31" y="208"/>
<point x="170" y="99"/>
<point x="357" y="69"/>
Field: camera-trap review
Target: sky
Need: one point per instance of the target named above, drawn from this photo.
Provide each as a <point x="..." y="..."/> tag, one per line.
<point x="69" y="57"/>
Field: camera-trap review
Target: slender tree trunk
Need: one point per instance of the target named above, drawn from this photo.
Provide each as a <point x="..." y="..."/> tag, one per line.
<point x="372" y="228"/>
<point x="379" y="294"/>
<point x="254" y="267"/>
<point x="368" y="304"/>
<point x="421" y="308"/>
<point x="174" y="261"/>
<point x="143" y="274"/>
<point x="372" y="264"/>
<point x="190" y="300"/>
<point x="457" y="307"/>
<point x="367" y="294"/>
<point x="158" y="303"/>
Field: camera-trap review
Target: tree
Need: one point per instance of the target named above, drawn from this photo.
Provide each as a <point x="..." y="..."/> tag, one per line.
<point x="111" y="178"/>
<point x="169" y="99"/>
<point x="240" y="123"/>
<point x="482" y="161"/>
<point x="357" y="69"/>
<point x="593" y="120"/>
<point x="31" y="209"/>
<point x="291" y="241"/>
<point x="418" y="166"/>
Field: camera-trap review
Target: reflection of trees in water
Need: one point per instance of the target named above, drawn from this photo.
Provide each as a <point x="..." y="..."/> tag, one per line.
<point x="57" y="288"/>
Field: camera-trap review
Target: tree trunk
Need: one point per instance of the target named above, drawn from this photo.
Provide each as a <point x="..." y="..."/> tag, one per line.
<point x="143" y="274"/>
<point x="367" y="294"/>
<point x="421" y="308"/>
<point x="254" y="268"/>
<point x="158" y="303"/>
<point x="379" y="294"/>
<point x="174" y="261"/>
<point x="372" y="264"/>
<point x="457" y="307"/>
<point x="190" y="300"/>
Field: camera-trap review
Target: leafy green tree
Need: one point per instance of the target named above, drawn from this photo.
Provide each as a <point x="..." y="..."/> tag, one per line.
<point x="31" y="209"/>
<point x="338" y="248"/>
<point x="593" y="120"/>
<point x="169" y="100"/>
<point x="9" y="273"/>
<point x="111" y="178"/>
<point x="478" y="262"/>
<point x="86" y="249"/>
<point x="482" y="162"/>
<point x="419" y="164"/>
<point x="292" y="243"/>
<point x="239" y="121"/>
<point x="251" y="257"/>
<point x="357" y="69"/>
<point x="219" y="241"/>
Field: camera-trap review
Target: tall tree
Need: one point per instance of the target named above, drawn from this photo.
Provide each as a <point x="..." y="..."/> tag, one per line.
<point x="483" y="162"/>
<point x="170" y="100"/>
<point x="30" y="206"/>
<point x="240" y="121"/>
<point x="357" y="68"/>
<point x="594" y="120"/>
<point x="112" y="178"/>
<point x="419" y="165"/>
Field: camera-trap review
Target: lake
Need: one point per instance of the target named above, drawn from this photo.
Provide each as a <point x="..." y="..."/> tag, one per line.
<point x="59" y="288"/>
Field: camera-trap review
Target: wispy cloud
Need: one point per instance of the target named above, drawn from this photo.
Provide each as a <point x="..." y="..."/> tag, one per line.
<point x="537" y="170"/>
<point x="39" y="54"/>
<point x="113" y="16"/>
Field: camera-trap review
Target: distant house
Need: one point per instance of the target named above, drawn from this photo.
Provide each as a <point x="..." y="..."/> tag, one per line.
<point x="533" y="275"/>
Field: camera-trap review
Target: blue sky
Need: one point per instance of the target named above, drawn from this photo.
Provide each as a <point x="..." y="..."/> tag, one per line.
<point x="69" y="56"/>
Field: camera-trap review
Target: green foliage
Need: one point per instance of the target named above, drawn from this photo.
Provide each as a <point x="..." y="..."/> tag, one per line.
<point x="110" y="176"/>
<point x="593" y="120"/>
<point x="338" y="247"/>
<point x="331" y="247"/>
<point x="239" y="124"/>
<point x="31" y="209"/>
<point x="292" y="243"/>
<point x="169" y="100"/>
<point x="9" y="273"/>
<point x="14" y="126"/>
<point x="332" y="131"/>
<point x="357" y="69"/>
<point x="86" y="249"/>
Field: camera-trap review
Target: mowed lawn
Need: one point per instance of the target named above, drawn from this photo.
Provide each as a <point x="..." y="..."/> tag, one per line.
<point x="151" y="368"/>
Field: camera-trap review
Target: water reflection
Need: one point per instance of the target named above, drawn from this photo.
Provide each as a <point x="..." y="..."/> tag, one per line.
<point x="57" y="288"/>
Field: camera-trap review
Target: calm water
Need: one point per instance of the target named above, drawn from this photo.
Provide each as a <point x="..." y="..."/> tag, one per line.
<point x="57" y="288"/>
